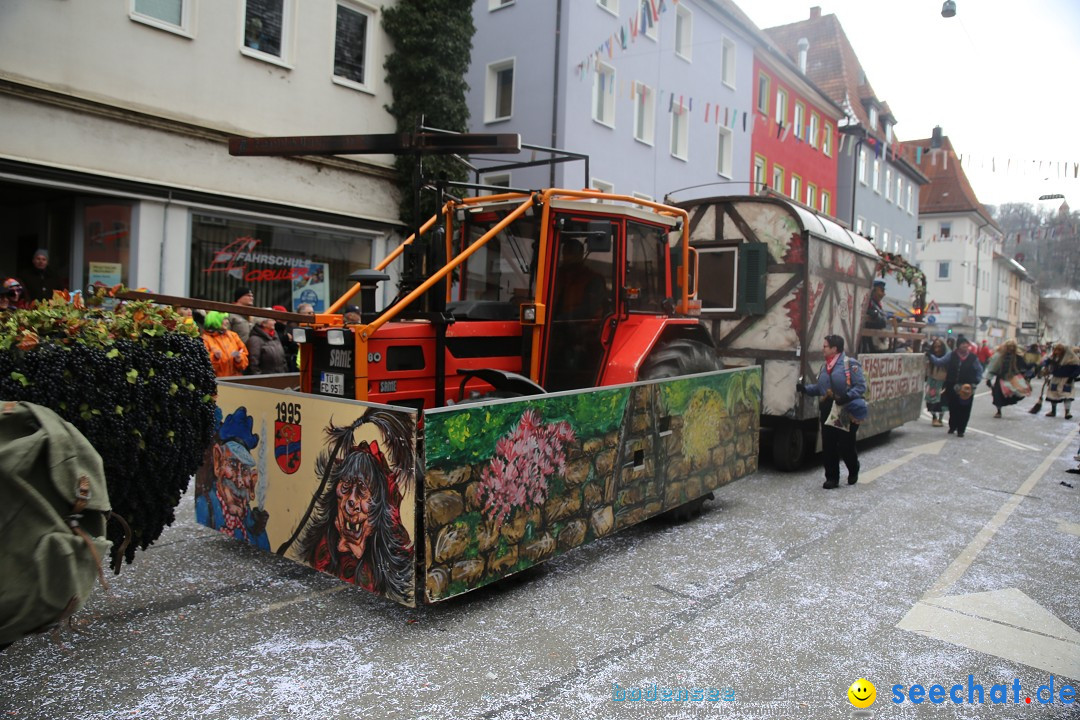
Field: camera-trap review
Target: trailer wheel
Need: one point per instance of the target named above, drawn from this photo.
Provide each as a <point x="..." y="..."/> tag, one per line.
<point x="686" y="511"/>
<point x="788" y="446"/>
<point x="679" y="357"/>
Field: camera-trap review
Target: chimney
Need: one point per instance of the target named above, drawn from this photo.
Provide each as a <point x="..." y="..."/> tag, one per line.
<point x="936" y="138"/>
<point x="815" y="12"/>
<point x="804" y="47"/>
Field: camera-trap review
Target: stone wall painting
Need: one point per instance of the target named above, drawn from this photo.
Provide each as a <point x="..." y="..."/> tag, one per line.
<point x="511" y="484"/>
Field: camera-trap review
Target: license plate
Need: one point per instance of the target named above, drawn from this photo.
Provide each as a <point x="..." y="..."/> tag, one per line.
<point x="332" y="383"/>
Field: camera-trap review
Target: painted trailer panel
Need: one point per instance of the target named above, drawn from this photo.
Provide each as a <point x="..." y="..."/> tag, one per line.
<point x="482" y="490"/>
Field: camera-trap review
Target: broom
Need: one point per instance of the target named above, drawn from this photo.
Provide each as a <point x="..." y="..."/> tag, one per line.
<point x="1038" y="405"/>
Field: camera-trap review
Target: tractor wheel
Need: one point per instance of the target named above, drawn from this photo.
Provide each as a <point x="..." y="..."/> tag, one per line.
<point x="679" y="357"/>
<point x="788" y="446"/>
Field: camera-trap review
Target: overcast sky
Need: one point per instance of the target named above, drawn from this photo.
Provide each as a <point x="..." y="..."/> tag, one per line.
<point x="1000" y="78"/>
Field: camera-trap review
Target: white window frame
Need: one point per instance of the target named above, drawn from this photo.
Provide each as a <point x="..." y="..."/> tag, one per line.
<point x="680" y="133"/>
<point x="943" y="265"/>
<point x="811" y="195"/>
<point x="796" y="186"/>
<point x="369" y="53"/>
<point x="862" y="165"/>
<point x="873" y="233"/>
<point x="603" y="70"/>
<point x="909" y="198"/>
<point x="642" y="196"/>
<point x="644" y="114"/>
<point x="826" y="140"/>
<point x="885" y="239"/>
<point x="798" y="120"/>
<point x="502" y="179"/>
<point x="650" y="28"/>
<point x="860" y="226"/>
<point x="186" y="21"/>
<point x="601" y="185"/>
<point x="491" y="89"/>
<point x="684" y="40"/>
<point x="727" y="62"/>
<point x="764" y="95"/>
<point x="875" y="174"/>
<point x="288" y="13"/>
<point x="612" y="6"/>
<point x="888" y="184"/>
<point x="759" y="174"/>
<point x="873" y="118"/>
<point x="781" y="106"/>
<point x="826" y="203"/>
<point x="494" y="5"/>
<point x="777" y="186"/>
<point x="725" y="148"/>
<point x="734" y="250"/>
<point x="815" y="129"/>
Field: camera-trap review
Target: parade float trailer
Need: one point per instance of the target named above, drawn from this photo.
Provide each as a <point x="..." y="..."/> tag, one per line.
<point x="540" y="382"/>
<point x="774" y="278"/>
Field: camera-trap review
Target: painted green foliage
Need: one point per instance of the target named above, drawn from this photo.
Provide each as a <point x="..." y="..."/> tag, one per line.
<point x="469" y="434"/>
<point x="740" y="391"/>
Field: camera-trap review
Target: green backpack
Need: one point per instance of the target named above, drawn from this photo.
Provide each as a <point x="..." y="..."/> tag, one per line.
<point x="54" y="505"/>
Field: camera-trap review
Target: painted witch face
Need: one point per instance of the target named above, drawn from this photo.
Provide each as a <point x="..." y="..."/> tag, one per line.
<point x="355" y="507"/>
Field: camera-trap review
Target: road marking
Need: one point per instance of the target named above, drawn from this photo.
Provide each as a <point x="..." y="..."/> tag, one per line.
<point x="968" y="555"/>
<point x="1003" y="623"/>
<point x="928" y="449"/>
<point x="298" y="599"/>
<point x="1068" y="527"/>
<point x="1004" y="440"/>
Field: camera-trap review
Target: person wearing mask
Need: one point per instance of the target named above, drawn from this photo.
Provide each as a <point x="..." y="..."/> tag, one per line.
<point x="265" y="353"/>
<point x="228" y="354"/>
<point x="963" y="374"/>
<point x="41" y="281"/>
<point x="238" y="323"/>
<point x="840" y="385"/>
<point x="937" y="358"/>
<point x="984" y="353"/>
<point x="1005" y="365"/>
<point x="1061" y="369"/>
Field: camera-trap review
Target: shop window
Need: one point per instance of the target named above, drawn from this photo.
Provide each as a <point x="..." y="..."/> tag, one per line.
<point x="282" y="264"/>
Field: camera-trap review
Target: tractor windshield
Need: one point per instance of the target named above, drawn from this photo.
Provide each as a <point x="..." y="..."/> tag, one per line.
<point x="503" y="269"/>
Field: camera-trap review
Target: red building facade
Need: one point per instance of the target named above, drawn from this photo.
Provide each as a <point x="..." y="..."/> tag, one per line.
<point x="794" y="141"/>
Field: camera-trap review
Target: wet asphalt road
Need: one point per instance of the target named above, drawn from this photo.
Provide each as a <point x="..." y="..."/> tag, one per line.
<point x="951" y="559"/>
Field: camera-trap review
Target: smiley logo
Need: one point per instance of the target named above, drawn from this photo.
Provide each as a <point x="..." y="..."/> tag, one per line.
<point x="862" y="693"/>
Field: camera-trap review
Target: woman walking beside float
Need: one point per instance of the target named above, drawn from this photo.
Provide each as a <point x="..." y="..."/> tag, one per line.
<point x="1005" y="376"/>
<point x="962" y="376"/>
<point x="937" y="359"/>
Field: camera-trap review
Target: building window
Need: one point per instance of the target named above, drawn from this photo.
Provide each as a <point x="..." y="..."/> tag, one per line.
<point x="684" y="32"/>
<point x="604" y="95"/>
<point x="724" y="144"/>
<point x="860" y="226"/>
<point x="873" y="118"/>
<point x="763" y="93"/>
<point x="602" y="185"/>
<point x="814" y="128"/>
<point x="885" y="240"/>
<point x="862" y="165"/>
<point x="172" y="15"/>
<point x="873" y="231"/>
<point x="680" y="132"/>
<point x="612" y="6"/>
<point x="727" y="58"/>
<point x="781" y="106"/>
<point x="352" y="43"/>
<point x="876" y="175"/>
<point x="946" y="229"/>
<point x="278" y="256"/>
<point x="778" y="178"/>
<point x="888" y="184"/>
<point x="907" y="248"/>
<point x="499" y="91"/>
<point x="899" y="188"/>
<point x="943" y="270"/>
<point x="811" y="195"/>
<point x="644" y="113"/>
<point x="720" y="265"/>
<point x="646" y="19"/>
<point x="796" y="188"/>
<point x="759" y="174"/>
<point x="826" y="203"/>
<point x="496" y="4"/>
<point x="642" y="196"/>
<point x="266" y="24"/>
<point x="797" y="120"/>
<point x="826" y="140"/>
<point x="495" y="179"/>
<point x="908" y="202"/>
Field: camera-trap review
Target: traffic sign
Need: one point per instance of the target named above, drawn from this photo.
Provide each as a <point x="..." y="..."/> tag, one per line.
<point x="932" y="308"/>
<point x="931" y="319"/>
